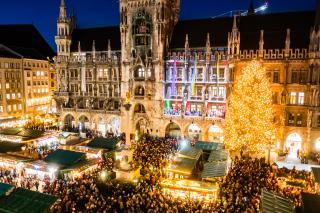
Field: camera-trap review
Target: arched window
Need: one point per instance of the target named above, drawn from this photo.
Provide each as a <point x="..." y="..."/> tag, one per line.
<point x="139" y="73"/>
<point x="139" y="108"/>
<point x="139" y="91"/>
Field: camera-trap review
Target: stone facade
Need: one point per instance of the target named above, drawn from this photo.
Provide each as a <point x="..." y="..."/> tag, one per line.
<point x="148" y="85"/>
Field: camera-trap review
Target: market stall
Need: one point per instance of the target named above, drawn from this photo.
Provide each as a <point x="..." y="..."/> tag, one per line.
<point x="40" y="170"/>
<point x="12" y="162"/>
<point x="196" y="190"/>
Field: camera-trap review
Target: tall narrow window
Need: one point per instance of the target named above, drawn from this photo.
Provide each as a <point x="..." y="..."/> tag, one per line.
<point x="301" y="98"/>
<point x="294" y="77"/>
<point x="276" y="77"/>
<point x="293" y="97"/>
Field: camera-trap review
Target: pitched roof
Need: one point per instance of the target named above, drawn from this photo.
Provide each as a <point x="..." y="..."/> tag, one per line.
<point x="190" y="152"/>
<point x="214" y="169"/>
<point x="26" y="40"/>
<point x="183" y="165"/>
<point x="274" y="26"/>
<point x="206" y="145"/>
<point x="218" y="155"/>
<point x="25" y="201"/>
<point x="10" y="147"/>
<point x="4" y="188"/>
<point x="104" y="143"/>
<point x="311" y="202"/>
<point x="6" y="52"/>
<point x="101" y="35"/>
<point x="64" y="158"/>
<point x="316" y="174"/>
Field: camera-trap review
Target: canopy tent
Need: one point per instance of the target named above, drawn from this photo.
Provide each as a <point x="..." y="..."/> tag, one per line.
<point x="26" y="201"/>
<point x="316" y="174"/>
<point x="5" y="188"/>
<point x="64" y="158"/>
<point x="104" y="143"/>
<point x="209" y="146"/>
<point x="190" y="152"/>
<point x="218" y="155"/>
<point x="214" y="169"/>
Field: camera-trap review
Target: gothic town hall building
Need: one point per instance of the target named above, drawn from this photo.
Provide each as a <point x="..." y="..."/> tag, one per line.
<point x="156" y="74"/>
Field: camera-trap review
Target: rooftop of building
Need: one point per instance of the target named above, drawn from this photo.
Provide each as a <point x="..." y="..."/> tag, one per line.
<point x="274" y="25"/>
<point x="25" y="40"/>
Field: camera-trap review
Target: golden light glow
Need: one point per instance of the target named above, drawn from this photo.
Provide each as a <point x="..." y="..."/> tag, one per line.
<point x="249" y="120"/>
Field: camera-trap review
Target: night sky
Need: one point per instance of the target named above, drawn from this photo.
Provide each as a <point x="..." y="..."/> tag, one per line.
<point x="43" y="13"/>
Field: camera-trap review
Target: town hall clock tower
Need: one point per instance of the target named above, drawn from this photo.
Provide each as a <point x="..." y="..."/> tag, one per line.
<point x="146" y="28"/>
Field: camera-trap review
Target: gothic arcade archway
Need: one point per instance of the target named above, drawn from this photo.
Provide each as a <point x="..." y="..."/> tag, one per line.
<point x="293" y="144"/>
<point x="215" y="134"/>
<point x="173" y="130"/>
<point x="69" y="122"/>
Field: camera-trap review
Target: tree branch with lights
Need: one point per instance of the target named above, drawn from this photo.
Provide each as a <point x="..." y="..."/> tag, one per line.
<point x="249" y="120"/>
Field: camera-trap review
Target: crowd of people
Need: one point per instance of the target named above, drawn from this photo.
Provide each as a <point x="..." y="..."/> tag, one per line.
<point x="239" y="191"/>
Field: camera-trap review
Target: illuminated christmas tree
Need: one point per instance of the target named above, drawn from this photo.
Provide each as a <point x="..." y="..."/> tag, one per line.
<point x="249" y="120"/>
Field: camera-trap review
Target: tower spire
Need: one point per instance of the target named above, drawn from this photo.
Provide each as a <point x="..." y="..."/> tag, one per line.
<point x="93" y="50"/>
<point x="261" y="43"/>
<point x="287" y="46"/>
<point x="208" y="48"/>
<point x="63" y="11"/>
<point x="109" y="48"/>
<point x="251" y="8"/>
<point x="234" y="26"/>
<point x="186" y="47"/>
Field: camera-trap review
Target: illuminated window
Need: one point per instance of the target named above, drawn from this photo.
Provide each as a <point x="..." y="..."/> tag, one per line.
<point x="293" y="97"/>
<point x="299" y="119"/>
<point x="1" y="108"/>
<point x="141" y="72"/>
<point x="20" y="107"/>
<point x="14" y="107"/>
<point x="276" y="77"/>
<point x="221" y="92"/>
<point x="13" y="96"/>
<point x="291" y="118"/>
<point x="7" y="85"/>
<point x="9" y="108"/>
<point x="193" y="107"/>
<point x="8" y="96"/>
<point x="318" y="144"/>
<point x="301" y="98"/>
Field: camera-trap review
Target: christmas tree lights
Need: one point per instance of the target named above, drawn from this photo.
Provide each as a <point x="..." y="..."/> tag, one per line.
<point x="249" y="120"/>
